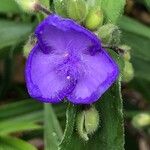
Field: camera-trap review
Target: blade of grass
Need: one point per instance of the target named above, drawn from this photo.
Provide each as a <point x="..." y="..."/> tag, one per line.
<point x="52" y="130"/>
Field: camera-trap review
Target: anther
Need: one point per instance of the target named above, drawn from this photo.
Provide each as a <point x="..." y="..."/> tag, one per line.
<point x="68" y="77"/>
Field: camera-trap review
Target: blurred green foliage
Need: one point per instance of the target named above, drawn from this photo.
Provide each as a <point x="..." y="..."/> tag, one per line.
<point x="20" y="116"/>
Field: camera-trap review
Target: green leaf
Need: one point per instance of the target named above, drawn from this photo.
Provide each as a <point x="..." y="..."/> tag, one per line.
<point x="13" y="32"/>
<point x="138" y="50"/>
<point x="20" y="116"/>
<point x="21" y="107"/>
<point x="111" y="131"/>
<point x="140" y="54"/>
<point x="10" y="143"/>
<point x="23" y="116"/>
<point x="138" y="38"/>
<point x="113" y="9"/>
<point x="70" y="121"/>
<point x="9" y="6"/>
<point x="21" y="123"/>
<point x="134" y="26"/>
<point x="26" y="106"/>
<point x="52" y="130"/>
<point x="147" y="2"/>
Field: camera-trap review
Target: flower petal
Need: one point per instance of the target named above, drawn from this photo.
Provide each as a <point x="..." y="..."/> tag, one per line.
<point x="58" y="34"/>
<point x="43" y="81"/>
<point x="100" y="73"/>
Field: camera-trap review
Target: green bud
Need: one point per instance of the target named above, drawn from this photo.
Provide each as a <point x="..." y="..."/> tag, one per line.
<point x="93" y="3"/>
<point x="127" y="49"/>
<point x="128" y="72"/>
<point x="29" y="46"/>
<point x="60" y="7"/>
<point x="94" y="19"/>
<point x="77" y="10"/>
<point x="109" y="34"/>
<point x="87" y="122"/>
<point x="91" y="120"/>
<point x="141" y="120"/>
<point x="28" y="6"/>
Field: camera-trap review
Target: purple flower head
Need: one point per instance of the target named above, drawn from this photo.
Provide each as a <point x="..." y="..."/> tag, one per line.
<point x="68" y="62"/>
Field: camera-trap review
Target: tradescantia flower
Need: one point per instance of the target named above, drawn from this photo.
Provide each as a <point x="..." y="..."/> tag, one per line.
<point x="68" y="61"/>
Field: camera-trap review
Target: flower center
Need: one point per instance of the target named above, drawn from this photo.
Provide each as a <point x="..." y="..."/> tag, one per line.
<point x="72" y="67"/>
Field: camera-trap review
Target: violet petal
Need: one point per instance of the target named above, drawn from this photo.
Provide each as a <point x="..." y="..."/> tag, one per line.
<point x="43" y="81"/>
<point x="100" y="73"/>
<point x="57" y="34"/>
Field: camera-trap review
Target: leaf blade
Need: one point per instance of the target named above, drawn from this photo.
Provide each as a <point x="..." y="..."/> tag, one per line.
<point x="113" y="9"/>
<point x="70" y="121"/>
<point x="52" y="129"/>
<point x="11" y="143"/>
<point x="13" y="32"/>
<point x="9" y="6"/>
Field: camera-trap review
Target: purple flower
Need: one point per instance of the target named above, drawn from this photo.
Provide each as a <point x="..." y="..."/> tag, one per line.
<point x="68" y="62"/>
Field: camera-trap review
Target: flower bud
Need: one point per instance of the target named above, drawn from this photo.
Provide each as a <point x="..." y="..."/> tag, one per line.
<point x="77" y="9"/>
<point x="141" y="120"/>
<point x="60" y="7"/>
<point x="127" y="49"/>
<point x="109" y="34"/>
<point x="29" y="46"/>
<point x="28" y="6"/>
<point x="128" y="72"/>
<point x="87" y="122"/>
<point x="94" y="19"/>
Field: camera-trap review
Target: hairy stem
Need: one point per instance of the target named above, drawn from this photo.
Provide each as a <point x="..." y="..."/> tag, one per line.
<point x="43" y="9"/>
